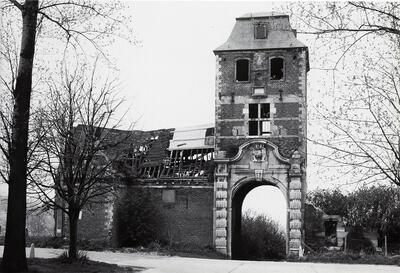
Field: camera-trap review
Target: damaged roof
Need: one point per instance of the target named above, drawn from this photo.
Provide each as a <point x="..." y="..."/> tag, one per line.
<point x="279" y="33"/>
<point x="194" y="137"/>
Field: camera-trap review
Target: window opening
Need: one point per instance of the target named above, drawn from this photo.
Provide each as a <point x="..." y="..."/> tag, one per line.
<point x="259" y="119"/>
<point x="253" y="110"/>
<point x="253" y="128"/>
<point x="242" y="70"/>
<point x="264" y="110"/>
<point x="276" y="68"/>
<point x="260" y="31"/>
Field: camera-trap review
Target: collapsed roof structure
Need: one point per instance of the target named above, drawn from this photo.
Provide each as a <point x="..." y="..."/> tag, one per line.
<point x="175" y="154"/>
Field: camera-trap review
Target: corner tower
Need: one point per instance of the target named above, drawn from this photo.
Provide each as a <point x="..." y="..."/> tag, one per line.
<point x="261" y="122"/>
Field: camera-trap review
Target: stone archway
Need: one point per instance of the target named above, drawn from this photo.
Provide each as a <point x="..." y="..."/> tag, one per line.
<point x="257" y="162"/>
<point x="239" y="193"/>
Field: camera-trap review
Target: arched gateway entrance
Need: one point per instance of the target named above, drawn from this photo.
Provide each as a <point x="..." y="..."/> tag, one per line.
<point x="257" y="163"/>
<point x="239" y="193"/>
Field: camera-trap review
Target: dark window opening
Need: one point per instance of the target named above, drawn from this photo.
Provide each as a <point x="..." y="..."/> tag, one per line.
<point x="276" y="68"/>
<point x="242" y="70"/>
<point x="253" y="128"/>
<point x="259" y="123"/>
<point x="253" y="110"/>
<point x="264" y="110"/>
<point x="260" y="31"/>
<point x="210" y="132"/>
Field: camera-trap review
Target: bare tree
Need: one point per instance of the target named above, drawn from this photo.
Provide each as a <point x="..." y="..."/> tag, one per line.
<point x="39" y="223"/>
<point x="75" y="23"/>
<point x="361" y="111"/>
<point x="80" y="146"/>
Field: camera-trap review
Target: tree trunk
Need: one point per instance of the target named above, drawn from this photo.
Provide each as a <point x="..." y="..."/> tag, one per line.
<point x="14" y="259"/>
<point x="73" y="235"/>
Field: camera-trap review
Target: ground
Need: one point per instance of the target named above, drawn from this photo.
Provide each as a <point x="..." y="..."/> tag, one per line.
<point x="152" y="263"/>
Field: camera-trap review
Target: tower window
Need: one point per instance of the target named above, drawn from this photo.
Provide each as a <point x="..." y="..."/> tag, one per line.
<point x="259" y="119"/>
<point x="260" y="31"/>
<point x="242" y="70"/>
<point x="276" y="68"/>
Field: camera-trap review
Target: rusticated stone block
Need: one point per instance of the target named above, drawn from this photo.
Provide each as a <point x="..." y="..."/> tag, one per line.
<point x="220" y="223"/>
<point x="294" y="243"/>
<point x="295" y="204"/>
<point x="221" y="213"/>
<point x="221" y="194"/>
<point x="221" y="204"/>
<point x="295" y="184"/>
<point x="295" y="214"/>
<point x="295" y="234"/>
<point x="222" y="185"/>
<point x="295" y="224"/>
<point x="295" y="194"/>
<point x="220" y="242"/>
<point x="221" y="232"/>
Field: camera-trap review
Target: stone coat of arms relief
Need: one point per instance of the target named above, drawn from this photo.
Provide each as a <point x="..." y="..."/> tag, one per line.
<point x="259" y="152"/>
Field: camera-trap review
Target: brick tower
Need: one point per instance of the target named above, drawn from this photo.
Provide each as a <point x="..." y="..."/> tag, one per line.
<point x="260" y="126"/>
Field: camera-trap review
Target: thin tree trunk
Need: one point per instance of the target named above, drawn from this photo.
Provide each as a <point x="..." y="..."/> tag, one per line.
<point x="73" y="235"/>
<point x="14" y="259"/>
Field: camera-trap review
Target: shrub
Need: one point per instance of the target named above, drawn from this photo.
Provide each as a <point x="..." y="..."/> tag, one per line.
<point x="138" y="220"/>
<point x="357" y="242"/>
<point x="261" y="238"/>
<point x="46" y="242"/>
<point x="82" y="258"/>
<point x="93" y="244"/>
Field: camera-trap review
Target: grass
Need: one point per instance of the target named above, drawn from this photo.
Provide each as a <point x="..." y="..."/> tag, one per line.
<point x="350" y="258"/>
<point x="39" y="265"/>
<point x="181" y="250"/>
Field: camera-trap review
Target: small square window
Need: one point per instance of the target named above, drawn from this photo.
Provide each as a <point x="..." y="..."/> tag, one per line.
<point x="260" y="31"/>
<point x="168" y="196"/>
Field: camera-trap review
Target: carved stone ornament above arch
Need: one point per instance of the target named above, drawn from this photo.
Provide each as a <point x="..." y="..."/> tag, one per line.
<point x="259" y="149"/>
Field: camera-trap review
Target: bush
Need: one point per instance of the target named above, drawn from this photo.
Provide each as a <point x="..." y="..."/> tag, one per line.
<point x="138" y="220"/>
<point x="356" y="242"/>
<point x="93" y="244"/>
<point x="82" y="258"/>
<point x="261" y="238"/>
<point x="46" y="242"/>
<point x="349" y="258"/>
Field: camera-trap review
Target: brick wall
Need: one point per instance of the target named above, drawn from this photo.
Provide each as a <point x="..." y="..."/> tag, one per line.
<point x="95" y="222"/>
<point x="287" y="97"/>
<point x="187" y="220"/>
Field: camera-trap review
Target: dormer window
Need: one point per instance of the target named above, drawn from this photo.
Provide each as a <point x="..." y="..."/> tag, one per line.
<point x="242" y="70"/>
<point x="276" y="68"/>
<point x="260" y="31"/>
